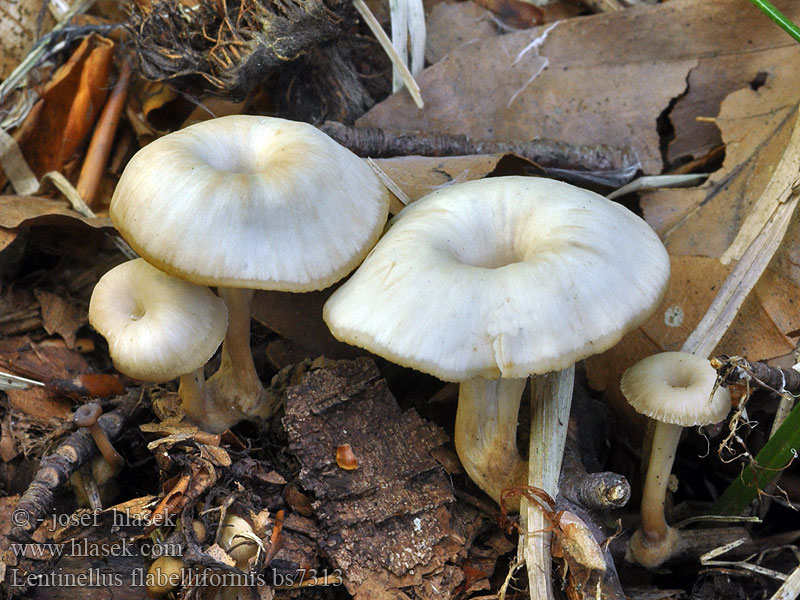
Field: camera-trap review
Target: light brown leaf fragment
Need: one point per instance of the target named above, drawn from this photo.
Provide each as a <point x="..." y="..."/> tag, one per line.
<point x="757" y="127"/>
<point x="61" y="316"/>
<point x="18" y="31"/>
<point x="421" y="175"/>
<point x="452" y="25"/>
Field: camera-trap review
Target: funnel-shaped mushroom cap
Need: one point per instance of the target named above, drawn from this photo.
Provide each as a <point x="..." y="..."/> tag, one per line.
<point x="502" y="277"/>
<point x="252" y="202"/>
<point x="675" y="387"/>
<point x="157" y="326"/>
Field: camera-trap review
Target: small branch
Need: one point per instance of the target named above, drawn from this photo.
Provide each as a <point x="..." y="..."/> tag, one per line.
<point x="738" y="370"/>
<point x="377" y="143"/>
<point x="593" y="491"/>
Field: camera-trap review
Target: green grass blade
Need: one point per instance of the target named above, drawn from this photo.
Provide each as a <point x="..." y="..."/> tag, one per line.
<point x="773" y="13"/>
<point x="776" y="454"/>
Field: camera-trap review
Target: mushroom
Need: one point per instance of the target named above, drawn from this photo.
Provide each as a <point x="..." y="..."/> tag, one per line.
<point x="237" y="538"/>
<point x="676" y="390"/>
<point x="245" y="203"/>
<point x="490" y="281"/>
<point x="160" y="327"/>
<point x="86" y="416"/>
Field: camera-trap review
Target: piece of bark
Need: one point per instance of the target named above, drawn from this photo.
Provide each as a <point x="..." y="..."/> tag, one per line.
<point x="393" y="522"/>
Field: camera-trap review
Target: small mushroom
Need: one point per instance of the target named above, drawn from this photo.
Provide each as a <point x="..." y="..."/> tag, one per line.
<point x="160" y="327"/>
<point x="237" y="538"/>
<point x="490" y="281"/>
<point x="87" y="416"/>
<point x="675" y="390"/>
<point x="164" y="576"/>
<point x="244" y="203"/>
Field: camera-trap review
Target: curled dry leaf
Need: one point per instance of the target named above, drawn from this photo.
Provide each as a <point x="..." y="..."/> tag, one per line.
<point x="345" y="458"/>
<point x="72" y="100"/>
<point x="29" y="211"/>
<point x="757" y="127"/>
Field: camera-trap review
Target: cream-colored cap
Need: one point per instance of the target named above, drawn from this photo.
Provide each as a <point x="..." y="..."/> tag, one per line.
<point x="252" y="202"/>
<point x="675" y="387"/>
<point x="502" y="277"/>
<point x="158" y="327"/>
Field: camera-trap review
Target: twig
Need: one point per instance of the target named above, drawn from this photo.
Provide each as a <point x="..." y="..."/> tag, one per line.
<point x="594" y="491"/>
<point x="738" y="370"/>
<point x="100" y="147"/>
<point x="546" y="153"/>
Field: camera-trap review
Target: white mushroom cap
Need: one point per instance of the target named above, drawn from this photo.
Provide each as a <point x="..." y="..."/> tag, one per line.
<point x="157" y="326"/>
<point x="502" y="277"/>
<point x="251" y="202"/>
<point x="675" y="387"/>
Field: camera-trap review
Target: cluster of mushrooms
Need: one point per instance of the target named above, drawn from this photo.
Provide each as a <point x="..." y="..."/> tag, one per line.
<point x="484" y="283"/>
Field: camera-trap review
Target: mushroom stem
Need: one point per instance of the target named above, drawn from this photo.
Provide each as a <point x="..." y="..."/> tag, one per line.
<point x="210" y="416"/>
<point x="551" y="398"/>
<point x="654" y="543"/>
<point x="662" y="454"/>
<point x="236" y="381"/>
<point x="486" y="433"/>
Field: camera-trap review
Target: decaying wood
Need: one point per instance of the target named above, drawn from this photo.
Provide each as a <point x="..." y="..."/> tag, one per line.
<point x="393" y="522"/>
<point x="379" y="143"/>
<point x="37" y="502"/>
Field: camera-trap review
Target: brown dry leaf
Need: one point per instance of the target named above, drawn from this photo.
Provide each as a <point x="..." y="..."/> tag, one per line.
<point x="215" y="455"/>
<point x="61" y="316"/>
<point x="28" y="211"/>
<point x="515" y="13"/>
<point x="421" y="175"/>
<point x="452" y="25"/>
<point x="740" y="61"/>
<point x="72" y="100"/>
<point x="40" y="403"/>
<point x="7" y="236"/>
<point x="19" y="29"/>
<point x="298" y="317"/>
<point x="41" y="363"/>
<point x="766" y="327"/>
<point x="757" y="127"/>
<point x="19" y="312"/>
<point x="602" y="79"/>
